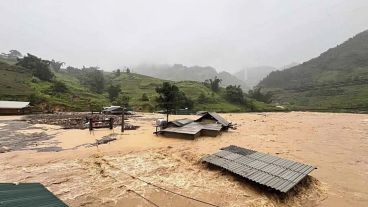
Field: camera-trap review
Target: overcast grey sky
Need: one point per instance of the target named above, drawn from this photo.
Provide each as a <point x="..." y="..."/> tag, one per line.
<point x="226" y="34"/>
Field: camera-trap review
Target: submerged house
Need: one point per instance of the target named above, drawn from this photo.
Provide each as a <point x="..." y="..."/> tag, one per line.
<point x="213" y="117"/>
<point x="14" y="107"/>
<point x="112" y="110"/>
<point x="209" y="124"/>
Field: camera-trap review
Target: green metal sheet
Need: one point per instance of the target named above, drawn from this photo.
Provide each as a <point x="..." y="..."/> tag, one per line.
<point x="26" y="195"/>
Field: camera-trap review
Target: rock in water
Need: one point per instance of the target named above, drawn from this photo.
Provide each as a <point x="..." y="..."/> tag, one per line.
<point x="4" y="149"/>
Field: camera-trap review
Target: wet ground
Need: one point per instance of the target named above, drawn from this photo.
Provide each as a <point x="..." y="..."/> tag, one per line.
<point x="20" y="135"/>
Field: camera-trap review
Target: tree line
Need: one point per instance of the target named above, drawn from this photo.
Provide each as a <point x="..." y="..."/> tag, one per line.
<point x="169" y="98"/>
<point x="234" y="93"/>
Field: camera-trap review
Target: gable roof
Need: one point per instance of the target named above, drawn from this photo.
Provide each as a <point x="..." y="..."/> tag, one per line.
<point x="216" y="117"/>
<point x="13" y="104"/>
<point x="181" y="122"/>
<point x="219" y="118"/>
<point x="193" y="128"/>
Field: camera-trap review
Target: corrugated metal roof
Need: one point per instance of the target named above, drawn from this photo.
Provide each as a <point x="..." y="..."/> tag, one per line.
<point x="181" y="122"/>
<point x="193" y="128"/>
<point x="182" y="130"/>
<point x="216" y="117"/>
<point x="213" y="127"/>
<point x="13" y="104"/>
<point x="27" y="194"/>
<point x="219" y="118"/>
<point x="112" y="108"/>
<point x="274" y="172"/>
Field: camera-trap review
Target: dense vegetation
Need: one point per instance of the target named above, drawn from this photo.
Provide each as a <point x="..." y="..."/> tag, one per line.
<point x="337" y="80"/>
<point x="89" y="88"/>
<point x="38" y="67"/>
<point x="170" y="99"/>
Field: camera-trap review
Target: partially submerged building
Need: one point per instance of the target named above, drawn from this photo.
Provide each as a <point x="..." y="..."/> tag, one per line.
<point x="214" y="118"/>
<point x="117" y="110"/>
<point x="265" y="169"/>
<point x="209" y="124"/>
<point x="112" y="110"/>
<point x="14" y="107"/>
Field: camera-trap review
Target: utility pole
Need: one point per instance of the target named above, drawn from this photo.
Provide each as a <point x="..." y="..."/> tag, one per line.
<point x="122" y="120"/>
<point x="167" y="115"/>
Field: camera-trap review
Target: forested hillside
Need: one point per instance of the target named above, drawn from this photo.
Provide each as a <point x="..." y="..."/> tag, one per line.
<point x="50" y="87"/>
<point x="336" y="80"/>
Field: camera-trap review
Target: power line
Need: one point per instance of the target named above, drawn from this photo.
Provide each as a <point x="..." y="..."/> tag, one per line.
<point x="159" y="187"/>
<point x="188" y="197"/>
<point x="146" y="199"/>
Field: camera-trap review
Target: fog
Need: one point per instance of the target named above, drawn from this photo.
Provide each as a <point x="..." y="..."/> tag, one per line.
<point x="228" y="35"/>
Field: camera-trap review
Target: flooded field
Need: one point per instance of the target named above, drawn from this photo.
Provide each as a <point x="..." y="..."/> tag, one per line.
<point x="141" y="169"/>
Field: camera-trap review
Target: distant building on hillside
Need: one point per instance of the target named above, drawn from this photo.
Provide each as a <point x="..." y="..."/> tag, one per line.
<point x="112" y="110"/>
<point x="14" y="107"/>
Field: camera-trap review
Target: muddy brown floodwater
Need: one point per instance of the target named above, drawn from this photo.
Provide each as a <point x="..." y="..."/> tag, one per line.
<point x="125" y="171"/>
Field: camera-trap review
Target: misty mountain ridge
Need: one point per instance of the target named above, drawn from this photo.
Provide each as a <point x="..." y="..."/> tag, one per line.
<point x="253" y="75"/>
<point x="293" y="64"/>
<point x="179" y="72"/>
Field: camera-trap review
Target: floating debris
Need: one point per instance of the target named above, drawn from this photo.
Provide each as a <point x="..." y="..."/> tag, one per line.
<point x="105" y="140"/>
<point x="72" y="120"/>
<point x="4" y="149"/>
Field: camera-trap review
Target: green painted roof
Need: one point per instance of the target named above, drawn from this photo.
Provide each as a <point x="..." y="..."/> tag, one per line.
<point x="27" y="195"/>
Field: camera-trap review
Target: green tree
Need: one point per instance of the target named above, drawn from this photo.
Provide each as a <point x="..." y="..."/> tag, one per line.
<point x="144" y="97"/>
<point x="93" y="77"/>
<point x="171" y="98"/>
<point x="94" y="105"/>
<point x="202" y="98"/>
<point x="167" y="99"/>
<point x="59" y="87"/>
<point x="128" y="70"/>
<point x="40" y="68"/>
<point x="259" y="96"/>
<point x="113" y="91"/>
<point x="251" y="105"/>
<point x="147" y="107"/>
<point x="35" y="99"/>
<point x="234" y="94"/>
<point x="117" y="73"/>
<point x="213" y="84"/>
<point x="122" y="100"/>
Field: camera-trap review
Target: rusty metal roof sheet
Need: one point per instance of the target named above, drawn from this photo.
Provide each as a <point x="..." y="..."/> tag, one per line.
<point x="274" y="172"/>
